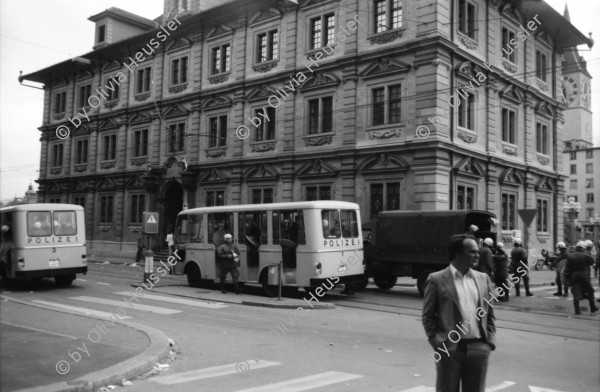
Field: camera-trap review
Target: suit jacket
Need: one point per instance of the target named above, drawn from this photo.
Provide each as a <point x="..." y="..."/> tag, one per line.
<point x="441" y="309"/>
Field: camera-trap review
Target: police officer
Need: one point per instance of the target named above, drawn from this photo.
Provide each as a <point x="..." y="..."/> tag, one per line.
<point x="577" y="271"/>
<point x="501" y="269"/>
<point x="486" y="262"/>
<point x="518" y="255"/>
<point x="228" y="253"/>
<point x="560" y="262"/>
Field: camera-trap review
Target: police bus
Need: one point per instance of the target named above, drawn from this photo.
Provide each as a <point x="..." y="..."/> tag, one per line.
<point x="317" y="242"/>
<point x="42" y="240"/>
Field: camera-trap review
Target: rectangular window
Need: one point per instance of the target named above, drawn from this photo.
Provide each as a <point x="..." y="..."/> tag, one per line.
<point x="507" y="36"/>
<point x="266" y="129"/>
<point x="79" y="200"/>
<point x="466" y="18"/>
<point x="509" y="210"/>
<point x="218" y="131"/>
<point x="541" y="65"/>
<point x="101" y="33"/>
<point x="320" y="115"/>
<point x="379" y="106"/>
<point x="81" y="151"/>
<point x="112" y="88"/>
<point x="573" y="169"/>
<point x="541" y="138"/>
<point x="589" y="197"/>
<point x="60" y="102"/>
<point x="38" y="223"/>
<point x="509" y="123"/>
<point x="322" y="31"/>
<point x="179" y="70"/>
<point x="262" y="196"/>
<point x="177" y="137"/>
<point x="589" y="168"/>
<point x="110" y="147"/>
<point x="221" y="59"/>
<point x="319" y="192"/>
<point x="387" y="105"/>
<point x="140" y="143"/>
<point x="106" y="209"/>
<point x="84" y="95"/>
<point x="572" y="184"/>
<point x="384" y="196"/>
<point x="388" y="15"/>
<point x="542" y="215"/>
<point x="589" y="183"/>
<point x="394" y="110"/>
<point x="143" y="80"/>
<point x="589" y="154"/>
<point x="573" y="155"/>
<point x="268" y="46"/>
<point x="57" y="154"/>
<point x="54" y="200"/>
<point x="137" y="206"/>
<point x="465" y="197"/>
<point x="215" y="198"/>
<point x="466" y="111"/>
<point x="590" y="213"/>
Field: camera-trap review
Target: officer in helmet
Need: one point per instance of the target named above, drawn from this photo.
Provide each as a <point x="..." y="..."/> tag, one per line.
<point x="486" y="262"/>
<point x="560" y="262"/>
<point x="577" y="270"/>
<point x="501" y="270"/>
<point x="518" y="257"/>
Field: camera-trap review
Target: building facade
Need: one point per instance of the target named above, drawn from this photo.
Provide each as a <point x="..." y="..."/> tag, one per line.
<point x="427" y="105"/>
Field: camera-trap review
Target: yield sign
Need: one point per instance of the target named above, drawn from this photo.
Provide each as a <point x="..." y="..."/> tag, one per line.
<point x="527" y="215"/>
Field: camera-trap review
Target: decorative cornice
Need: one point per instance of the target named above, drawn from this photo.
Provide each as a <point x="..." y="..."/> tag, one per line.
<point x="56" y="170"/>
<point x="177" y="89"/>
<point x="542" y="85"/>
<point x="317" y="140"/>
<point x="139" y="161"/>
<point x="215" y="153"/>
<point x="141" y="97"/>
<point x="544" y="160"/>
<point x="384" y="133"/>
<point x="111" y="104"/>
<point x="467" y="137"/>
<point x="107" y="165"/>
<point x="509" y="66"/>
<point x="262" y="147"/>
<point x="265" y="67"/>
<point x="509" y="150"/>
<point x="438" y="62"/>
<point x="59" y="116"/>
<point x="104" y="228"/>
<point x="218" y="78"/>
<point x="385" y="37"/>
<point x="468" y="42"/>
<point x="135" y="229"/>
<point x="80" y="168"/>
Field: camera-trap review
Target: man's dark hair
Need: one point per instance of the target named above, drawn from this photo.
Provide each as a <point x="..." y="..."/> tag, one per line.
<point x="456" y="245"/>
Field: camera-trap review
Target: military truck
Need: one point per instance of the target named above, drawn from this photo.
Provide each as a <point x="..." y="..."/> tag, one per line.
<point x="415" y="243"/>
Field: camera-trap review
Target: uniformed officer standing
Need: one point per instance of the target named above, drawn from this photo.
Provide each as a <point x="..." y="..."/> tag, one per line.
<point x="518" y="255"/>
<point x="486" y="263"/>
<point x="228" y="253"/>
<point x="577" y="271"/>
<point x="501" y="269"/>
<point x="561" y="261"/>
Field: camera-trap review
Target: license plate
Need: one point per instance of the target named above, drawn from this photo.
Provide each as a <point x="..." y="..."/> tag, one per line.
<point x="54" y="263"/>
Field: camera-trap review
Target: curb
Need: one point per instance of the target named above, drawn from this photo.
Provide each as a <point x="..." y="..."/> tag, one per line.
<point x="157" y="350"/>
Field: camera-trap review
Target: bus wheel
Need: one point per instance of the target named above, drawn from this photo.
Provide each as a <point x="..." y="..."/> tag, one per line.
<point x="269" y="289"/>
<point x="385" y="282"/>
<point x="193" y="275"/>
<point x="360" y="286"/>
<point x="421" y="280"/>
<point x="64" y="280"/>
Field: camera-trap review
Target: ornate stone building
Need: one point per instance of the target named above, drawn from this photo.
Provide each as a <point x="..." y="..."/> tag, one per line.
<point x="430" y="104"/>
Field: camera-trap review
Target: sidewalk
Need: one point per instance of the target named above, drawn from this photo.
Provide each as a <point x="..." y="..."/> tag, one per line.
<point x="71" y="351"/>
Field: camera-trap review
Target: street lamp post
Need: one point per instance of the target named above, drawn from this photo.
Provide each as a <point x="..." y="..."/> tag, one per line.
<point x="572" y="208"/>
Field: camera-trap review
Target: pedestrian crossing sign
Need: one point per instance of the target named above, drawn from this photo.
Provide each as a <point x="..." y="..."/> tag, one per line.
<point x="150" y="222"/>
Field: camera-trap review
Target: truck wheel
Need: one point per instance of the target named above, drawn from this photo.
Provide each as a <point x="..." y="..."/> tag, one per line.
<point x="193" y="275"/>
<point x="421" y="280"/>
<point x="64" y="280"/>
<point x="385" y="282"/>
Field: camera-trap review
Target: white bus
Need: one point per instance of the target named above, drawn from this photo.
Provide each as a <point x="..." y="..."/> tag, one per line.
<point x="315" y="240"/>
<point x="42" y="240"/>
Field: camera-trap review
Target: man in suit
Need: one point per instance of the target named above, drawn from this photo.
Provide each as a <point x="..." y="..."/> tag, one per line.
<point x="458" y="318"/>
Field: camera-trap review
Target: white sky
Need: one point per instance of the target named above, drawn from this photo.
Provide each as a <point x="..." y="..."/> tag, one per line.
<point x="35" y="34"/>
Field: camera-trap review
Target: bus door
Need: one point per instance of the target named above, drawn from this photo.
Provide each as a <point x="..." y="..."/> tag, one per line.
<point x="6" y="244"/>
<point x="252" y="228"/>
<point x="286" y="233"/>
<point x="219" y="224"/>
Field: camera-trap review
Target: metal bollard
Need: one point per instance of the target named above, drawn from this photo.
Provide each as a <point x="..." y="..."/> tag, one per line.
<point x="148" y="265"/>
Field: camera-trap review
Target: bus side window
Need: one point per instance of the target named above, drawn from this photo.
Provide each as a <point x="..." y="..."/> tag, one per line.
<point x="241" y="228"/>
<point x="264" y="238"/>
<point x="299" y="221"/>
<point x="349" y="224"/>
<point x="276" y="229"/>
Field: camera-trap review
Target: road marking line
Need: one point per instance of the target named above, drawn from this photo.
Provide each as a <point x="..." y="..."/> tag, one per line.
<point x="182" y="301"/>
<point x="420" y="388"/>
<point x="215" y="371"/>
<point x="104" y="284"/>
<point x="542" y="288"/>
<point x="39" y="330"/>
<point x="82" y="310"/>
<point x="123" y="304"/>
<point x="539" y="389"/>
<point x="83" y="280"/>
<point x="305" y="383"/>
<point x="498" y="387"/>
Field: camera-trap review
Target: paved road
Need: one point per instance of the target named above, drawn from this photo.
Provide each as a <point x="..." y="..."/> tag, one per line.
<point x="373" y="341"/>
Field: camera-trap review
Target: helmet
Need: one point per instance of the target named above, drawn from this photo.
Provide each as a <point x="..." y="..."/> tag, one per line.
<point x="325" y="223"/>
<point x="580" y="244"/>
<point x="488" y="241"/>
<point x="5" y="228"/>
<point x="561" y="245"/>
<point x="500" y="245"/>
<point x="473" y="228"/>
<point x="589" y="244"/>
<point x="518" y="241"/>
<point x="226" y="236"/>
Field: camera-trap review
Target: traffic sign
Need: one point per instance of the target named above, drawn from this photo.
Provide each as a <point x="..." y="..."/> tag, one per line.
<point x="527" y="215"/>
<point x="150" y="222"/>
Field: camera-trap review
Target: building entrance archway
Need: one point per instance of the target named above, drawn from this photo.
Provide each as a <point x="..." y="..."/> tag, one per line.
<point x="173" y="204"/>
